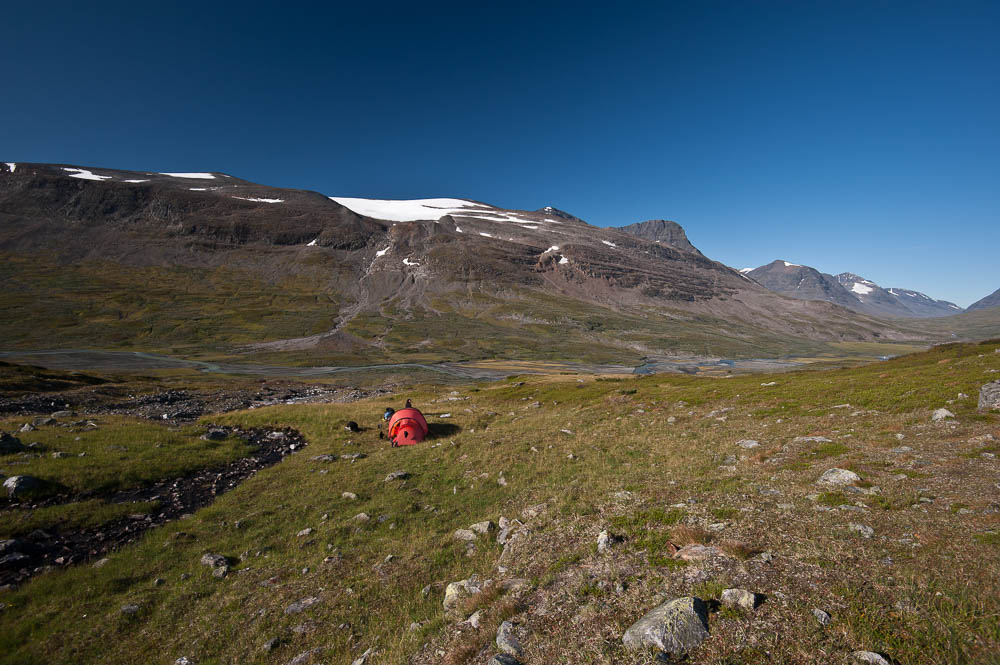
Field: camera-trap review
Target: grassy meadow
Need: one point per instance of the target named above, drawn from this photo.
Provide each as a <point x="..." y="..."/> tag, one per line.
<point x="654" y="460"/>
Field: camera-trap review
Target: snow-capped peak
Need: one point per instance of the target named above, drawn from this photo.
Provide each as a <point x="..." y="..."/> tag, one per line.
<point x="791" y="265"/>
<point x="415" y="210"/>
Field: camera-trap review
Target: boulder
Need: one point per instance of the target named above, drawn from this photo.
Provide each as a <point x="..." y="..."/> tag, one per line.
<point x="456" y="591"/>
<point x="215" y="434"/>
<point x="10" y="444"/>
<point x="464" y="534"/>
<point x="300" y="605"/>
<point x="838" y="477"/>
<point x="747" y="443"/>
<point x="696" y="552"/>
<point x="989" y="396"/>
<point x="863" y="530"/>
<point x="213" y="560"/>
<point x="507" y="641"/>
<point x="869" y="657"/>
<point x="674" y="627"/>
<point x="740" y="598"/>
<point x="397" y="475"/>
<point x="18" y="486"/>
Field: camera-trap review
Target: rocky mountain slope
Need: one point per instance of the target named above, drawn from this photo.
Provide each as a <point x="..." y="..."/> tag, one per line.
<point x="208" y="263"/>
<point x="992" y="300"/>
<point x="661" y="231"/>
<point x="848" y="290"/>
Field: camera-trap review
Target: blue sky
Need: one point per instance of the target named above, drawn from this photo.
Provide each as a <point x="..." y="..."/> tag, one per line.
<point x="848" y="136"/>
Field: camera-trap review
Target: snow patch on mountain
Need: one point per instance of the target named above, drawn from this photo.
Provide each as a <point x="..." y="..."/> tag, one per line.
<point x="563" y="260"/>
<point x="12" y="166"/>
<point x="84" y="174"/>
<point x="256" y="200"/>
<point x="381" y="252"/>
<point x="134" y="181"/>
<point x="194" y="176"/>
<point x="415" y="210"/>
<point x="791" y="265"/>
<point x="609" y="244"/>
<point x="861" y="289"/>
<point x="313" y="243"/>
<point x="553" y="248"/>
<point x="408" y="262"/>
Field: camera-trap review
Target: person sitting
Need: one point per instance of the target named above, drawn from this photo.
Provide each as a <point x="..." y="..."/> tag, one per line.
<point x="388" y="413"/>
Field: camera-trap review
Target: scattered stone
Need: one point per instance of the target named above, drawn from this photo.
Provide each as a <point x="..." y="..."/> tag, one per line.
<point x="769" y="383"/>
<point x="747" y="443"/>
<point x="533" y="511"/>
<point x="675" y="627"/>
<point x="159" y="581"/>
<point x="696" y="552"/>
<point x="741" y="598"/>
<point x="464" y="534"/>
<point x="507" y="640"/>
<point x="869" y="657"/>
<point x="397" y="475"/>
<point x="350" y="496"/>
<point x="353" y="457"/>
<point x="43" y="421"/>
<point x="323" y="458"/>
<point x="59" y="455"/>
<point x="64" y="414"/>
<point x="100" y="563"/>
<point x="361" y="517"/>
<point x="989" y="396"/>
<point x="504" y="659"/>
<point x="130" y="609"/>
<point x="220" y="571"/>
<point x="485" y="527"/>
<point x="10" y="444"/>
<point x="305" y="532"/>
<point x="184" y="660"/>
<point x="456" y="591"/>
<point x="821" y="616"/>
<point x="271" y="644"/>
<point x="363" y="658"/>
<point x="25" y="428"/>
<point x="215" y="434"/>
<point x="475" y="619"/>
<point x="306" y="656"/>
<point x="213" y="560"/>
<point x="501" y="481"/>
<point x="938" y="415"/>
<point x="300" y="605"/>
<point x="811" y="439"/>
<point x="838" y="477"/>
<point x="863" y="530"/>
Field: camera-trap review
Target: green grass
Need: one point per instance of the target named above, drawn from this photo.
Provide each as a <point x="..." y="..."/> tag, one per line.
<point x="453" y="483"/>
<point x="81" y="514"/>
<point x="119" y="453"/>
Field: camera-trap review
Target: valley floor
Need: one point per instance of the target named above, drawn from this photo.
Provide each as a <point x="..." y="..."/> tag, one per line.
<point x="701" y="485"/>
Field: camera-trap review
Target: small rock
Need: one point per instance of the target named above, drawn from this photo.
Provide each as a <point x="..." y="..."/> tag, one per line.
<point x="696" y="552"/>
<point x="741" y="598"/>
<point x="838" y="477"/>
<point x="507" y="640"/>
<point x="475" y="619"/>
<point x="485" y="527"/>
<point x="811" y="439"/>
<point x="456" y="591"/>
<point x="361" y="517"/>
<point x="306" y="656"/>
<point x="533" y="511"/>
<point x="821" y="616"/>
<point x="397" y="475"/>
<point x="220" y="571"/>
<point x="215" y="434"/>
<point x="350" y="496"/>
<point x="675" y="627"/>
<point x="271" y="644"/>
<point x="865" y="531"/>
<point x="464" y="534"/>
<point x="300" y="605"/>
<point x="159" y="581"/>
<point x="213" y="560"/>
<point x="605" y="541"/>
<point x="870" y="657"/>
<point x="363" y="658"/>
<point x="184" y="660"/>
<point x="504" y="659"/>
<point x="304" y="532"/>
<point x="130" y="609"/>
<point x="100" y="563"/>
<point x="10" y="444"/>
<point x="938" y="415"/>
<point x="747" y="443"/>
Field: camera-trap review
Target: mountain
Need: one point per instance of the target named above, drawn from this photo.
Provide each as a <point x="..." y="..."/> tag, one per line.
<point x="848" y="290"/>
<point x="798" y="281"/>
<point x="992" y="300"/>
<point x="208" y="265"/>
<point x="661" y="231"/>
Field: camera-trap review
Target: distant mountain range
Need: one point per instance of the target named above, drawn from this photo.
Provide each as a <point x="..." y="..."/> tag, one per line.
<point x="848" y="290"/>
<point x="992" y="300"/>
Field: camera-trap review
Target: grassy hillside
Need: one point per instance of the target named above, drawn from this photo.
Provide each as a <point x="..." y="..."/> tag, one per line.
<point x="654" y="460"/>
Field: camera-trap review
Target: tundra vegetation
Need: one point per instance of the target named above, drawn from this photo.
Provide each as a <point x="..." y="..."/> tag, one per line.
<point x="904" y="560"/>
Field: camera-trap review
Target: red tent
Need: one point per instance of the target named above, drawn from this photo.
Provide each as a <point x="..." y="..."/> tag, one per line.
<point x="407" y="427"/>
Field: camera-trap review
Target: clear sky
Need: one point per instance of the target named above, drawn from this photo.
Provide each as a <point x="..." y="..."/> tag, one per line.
<point x="849" y="136"/>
